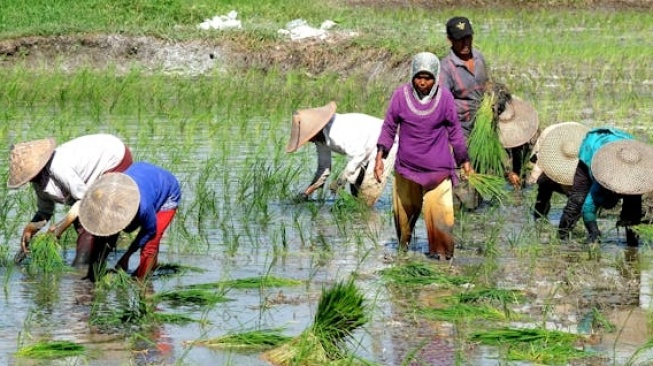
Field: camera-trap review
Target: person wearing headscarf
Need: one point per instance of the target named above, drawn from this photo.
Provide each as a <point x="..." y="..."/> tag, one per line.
<point x="144" y="197"/>
<point x="612" y="165"/>
<point x="62" y="174"/>
<point x="424" y="117"/>
<point x="351" y="134"/>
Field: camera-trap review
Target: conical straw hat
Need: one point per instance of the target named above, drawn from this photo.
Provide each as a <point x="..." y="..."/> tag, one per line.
<point x="27" y="159"/>
<point x="558" y="151"/>
<point x="517" y="124"/>
<point x="306" y="123"/>
<point x="109" y="204"/>
<point x="624" y="167"/>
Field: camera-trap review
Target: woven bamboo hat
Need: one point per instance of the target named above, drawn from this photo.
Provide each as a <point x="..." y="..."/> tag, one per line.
<point x="624" y="167"/>
<point x="109" y="205"/>
<point x="558" y="151"/>
<point x="27" y="159"/>
<point x="517" y="124"/>
<point x="306" y="123"/>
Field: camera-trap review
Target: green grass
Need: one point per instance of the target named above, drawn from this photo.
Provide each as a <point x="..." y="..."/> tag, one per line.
<point x="48" y="350"/>
<point x="420" y="273"/>
<point x="249" y="283"/>
<point x="249" y="341"/>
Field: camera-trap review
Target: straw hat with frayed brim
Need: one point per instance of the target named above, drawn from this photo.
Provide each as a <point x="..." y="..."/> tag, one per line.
<point x="624" y="167"/>
<point x="27" y="159"/>
<point x="558" y="151"/>
<point x="109" y="205"/>
<point x="517" y="124"/>
<point x="306" y="123"/>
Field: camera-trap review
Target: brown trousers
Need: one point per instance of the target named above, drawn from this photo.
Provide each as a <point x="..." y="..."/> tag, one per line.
<point x="409" y="199"/>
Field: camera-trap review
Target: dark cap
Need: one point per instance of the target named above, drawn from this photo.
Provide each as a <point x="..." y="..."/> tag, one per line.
<point x="459" y="27"/>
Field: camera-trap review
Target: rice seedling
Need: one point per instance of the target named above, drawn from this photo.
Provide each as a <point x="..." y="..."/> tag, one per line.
<point x="45" y="255"/>
<point x="536" y="345"/>
<point x="49" y="350"/>
<point x="486" y="153"/>
<point x="249" y="283"/>
<point x="172" y="318"/>
<point x="420" y="273"/>
<point x="249" y="341"/>
<point x="190" y="296"/>
<point x="461" y="311"/>
<point x="490" y="187"/>
<point x="341" y="310"/>
<point x="169" y="269"/>
<point x="492" y="295"/>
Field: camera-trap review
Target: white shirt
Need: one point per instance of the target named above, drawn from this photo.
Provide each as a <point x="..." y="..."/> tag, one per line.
<point x="351" y="134"/>
<point x="74" y="166"/>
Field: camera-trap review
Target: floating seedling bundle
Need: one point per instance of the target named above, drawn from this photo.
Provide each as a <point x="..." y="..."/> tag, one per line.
<point x="340" y="312"/>
<point x="249" y="341"/>
<point x="51" y="350"/>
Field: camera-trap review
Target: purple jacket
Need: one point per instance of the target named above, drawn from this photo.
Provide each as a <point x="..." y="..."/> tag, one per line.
<point x="427" y="135"/>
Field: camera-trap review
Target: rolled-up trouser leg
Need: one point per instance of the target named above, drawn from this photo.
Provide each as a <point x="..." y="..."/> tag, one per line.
<point x="406" y="207"/>
<point x="150" y="252"/>
<point x="631" y="214"/>
<point x="573" y="209"/>
<point x="439" y="218"/>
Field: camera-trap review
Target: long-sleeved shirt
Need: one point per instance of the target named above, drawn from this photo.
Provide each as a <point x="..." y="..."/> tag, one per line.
<point x="74" y="166"/>
<point x="427" y="134"/>
<point x="467" y="86"/>
<point x="593" y="141"/>
<point x="351" y="134"/>
<point x="159" y="191"/>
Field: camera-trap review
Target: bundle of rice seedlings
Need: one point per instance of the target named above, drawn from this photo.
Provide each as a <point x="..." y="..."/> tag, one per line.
<point x="51" y="350"/>
<point x="250" y="283"/>
<point x="486" y="153"/>
<point x="501" y="296"/>
<point x="490" y="187"/>
<point x="420" y="273"/>
<point x="191" y="296"/>
<point x="463" y="312"/>
<point x="172" y="318"/>
<point x="250" y="341"/>
<point x="539" y="345"/>
<point x="45" y="254"/>
<point x="170" y="269"/>
<point x="340" y="312"/>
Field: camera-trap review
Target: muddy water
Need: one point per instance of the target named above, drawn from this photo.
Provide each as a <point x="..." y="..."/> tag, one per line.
<point x="242" y="237"/>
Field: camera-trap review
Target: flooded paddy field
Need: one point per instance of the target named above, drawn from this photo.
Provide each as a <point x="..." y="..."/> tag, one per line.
<point x="222" y="130"/>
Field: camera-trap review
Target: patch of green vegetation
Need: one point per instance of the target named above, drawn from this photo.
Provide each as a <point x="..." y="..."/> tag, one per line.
<point x="45" y="255"/>
<point x="463" y="312"/>
<point x="420" y="273"/>
<point x="249" y="283"/>
<point x="191" y="296"/>
<point x="255" y="340"/>
<point x="48" y="350"/>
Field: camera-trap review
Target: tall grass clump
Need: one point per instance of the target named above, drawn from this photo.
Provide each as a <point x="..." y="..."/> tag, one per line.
<point x="341" y="310"/>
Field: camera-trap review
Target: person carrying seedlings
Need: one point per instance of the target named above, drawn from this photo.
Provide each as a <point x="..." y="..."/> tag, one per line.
<point x="612" y="165"/>
<point x="554" y="158"/>
<point x="144" y="197"/>
<point x="62" y="175"/>
<point x="424" y="116"/>
<point x="350" y="134"/>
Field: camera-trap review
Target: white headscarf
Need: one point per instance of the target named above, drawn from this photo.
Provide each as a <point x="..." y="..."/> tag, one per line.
<point x="425" y="62"/>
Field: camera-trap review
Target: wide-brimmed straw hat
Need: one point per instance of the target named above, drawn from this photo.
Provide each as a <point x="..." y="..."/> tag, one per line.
<point x="109" y="205"/>
<point x="518" y="123"/>
<point x="27" y="159"/>
<point x="624" y="167"/>
<point x="558" y="151"/>
<point x="306" y="123"/>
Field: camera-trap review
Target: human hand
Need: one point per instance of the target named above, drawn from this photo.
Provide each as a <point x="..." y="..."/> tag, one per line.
<point x="514" y="180"/>
<point x="378" y="170"/>
<point x="28" y="233"/>
<point x="467" y="170"/>
<point x="337" y="185"/>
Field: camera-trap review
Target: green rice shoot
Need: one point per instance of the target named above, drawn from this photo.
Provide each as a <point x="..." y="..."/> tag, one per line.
<point x="420" y="273"/>
<point x="191" y="296"/>
<point x="463" y="312"/>
<point x="486" y="153"/>
<point x="45" y="255"/>
<point x="172" y="318"/>
<point x="535" y="345"/>
<point x="249" y="283"/>
<point x="51" y="350"/>
<point x="502" y="296"/>
<point x="490" y="187"/>
<point x="249" y="341"/>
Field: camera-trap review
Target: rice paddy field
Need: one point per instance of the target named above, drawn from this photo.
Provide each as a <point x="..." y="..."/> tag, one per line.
<point x="251" y="276"/>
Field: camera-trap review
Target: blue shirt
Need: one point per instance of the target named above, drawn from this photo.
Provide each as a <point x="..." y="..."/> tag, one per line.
<point x="159" y="191"/>
<point x="593" y="141"/>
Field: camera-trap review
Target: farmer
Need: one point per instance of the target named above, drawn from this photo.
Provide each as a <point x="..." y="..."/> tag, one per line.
<point x="425" y="165"/>
<point x="351" y="134"/>
<point x="144" y="197"/>
<point x="611" y="166"/>
<point x="518" y="126"/>
<point x="555" y="157"/>
<point x="62" y="175"/>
